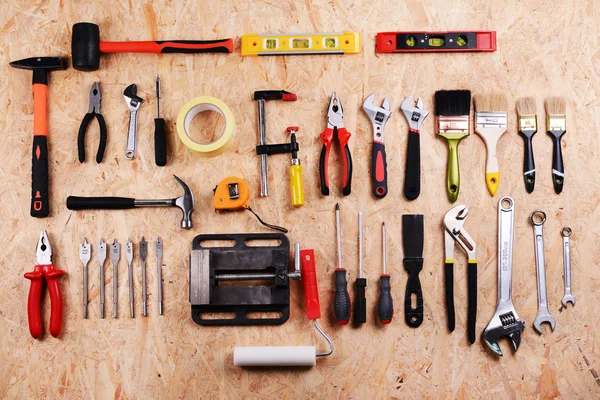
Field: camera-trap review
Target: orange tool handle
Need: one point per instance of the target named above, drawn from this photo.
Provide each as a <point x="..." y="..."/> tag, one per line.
<point x="40" y="207"/>
<point x="35" y="292"/>
<point x="169" y="46"/>
<point x="343" y="137"/>
<point x="309" y="281"/>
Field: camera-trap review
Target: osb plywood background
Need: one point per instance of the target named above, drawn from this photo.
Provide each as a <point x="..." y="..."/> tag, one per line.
<point x="544" y="48"/>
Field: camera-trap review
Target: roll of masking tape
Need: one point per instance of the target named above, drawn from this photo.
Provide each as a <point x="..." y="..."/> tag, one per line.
<point x="193" y="108"/>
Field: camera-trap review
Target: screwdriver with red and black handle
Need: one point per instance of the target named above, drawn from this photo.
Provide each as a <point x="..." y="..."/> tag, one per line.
<point x="342" y="303"/>
<point x="385" y="305"/>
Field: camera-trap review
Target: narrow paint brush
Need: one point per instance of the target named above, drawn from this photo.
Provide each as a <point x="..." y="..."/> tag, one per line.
<point x="556" y="124"/>
<point x="491" y="120"/>
<point x="527" y="120"/>
<point x="452" y="110"/>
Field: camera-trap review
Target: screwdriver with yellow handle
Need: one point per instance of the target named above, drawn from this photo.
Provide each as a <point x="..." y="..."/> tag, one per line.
<point x="296" y="183"/>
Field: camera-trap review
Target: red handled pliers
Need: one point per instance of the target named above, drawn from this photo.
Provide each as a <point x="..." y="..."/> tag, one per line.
<point x="335" y="124"/>
<point x="44" y="270"/>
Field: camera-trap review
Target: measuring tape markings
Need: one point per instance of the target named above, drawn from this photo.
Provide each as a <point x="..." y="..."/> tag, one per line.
<point x="193" y="108"/>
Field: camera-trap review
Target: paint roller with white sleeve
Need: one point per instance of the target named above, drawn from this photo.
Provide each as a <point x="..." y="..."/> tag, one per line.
<point x="291" y="356"/>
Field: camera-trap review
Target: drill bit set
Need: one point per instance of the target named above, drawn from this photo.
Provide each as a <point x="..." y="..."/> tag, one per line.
<point x="114" y="252"/>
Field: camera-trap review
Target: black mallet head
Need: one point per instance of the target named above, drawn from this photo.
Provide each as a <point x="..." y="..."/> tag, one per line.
<point x="85" y="46"/>
<point x="40" y="66"/>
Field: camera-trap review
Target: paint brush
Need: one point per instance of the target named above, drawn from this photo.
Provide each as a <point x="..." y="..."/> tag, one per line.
<point x="491" y="119"/>
<point x="452" y="112"/>
<point x="556" y="124"/>
<point x="527" y="120"/>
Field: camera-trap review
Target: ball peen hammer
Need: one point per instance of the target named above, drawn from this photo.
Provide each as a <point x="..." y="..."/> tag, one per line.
<point x="86" y="46"/>
<point x="40" y="66"/>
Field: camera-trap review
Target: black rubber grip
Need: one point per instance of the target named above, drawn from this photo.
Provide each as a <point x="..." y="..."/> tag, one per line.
<point x="412" y="177"/>
<point x="557" y="161"/>
<point x="82" y="133"/>
<point x="348" y="171"/>
<point x="528" y="163"/>
<point x="160" y="142"/>
<point x="324" y="179"/>
<point x="99" y="203"/>
<point x="449" y="277"/>
<point x="385" y="306"/>
<point x="342" y="298"/>
<point x="472" y="317"/>
<point x="360" y="306"/>
<point x="379" y="170"/>
<point x="40" y="206"/>
<point x="173" y="48"/>
<point x="413" y="316"/>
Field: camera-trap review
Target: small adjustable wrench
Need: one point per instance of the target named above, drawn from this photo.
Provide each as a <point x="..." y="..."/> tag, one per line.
<point x="537" y="219"/>
<point x="378" y="117"/>
<point x="133" y="102"/>
<point x="415" y="115"/>
<point x="566" y="234"/>
<point x="505" y="321"/>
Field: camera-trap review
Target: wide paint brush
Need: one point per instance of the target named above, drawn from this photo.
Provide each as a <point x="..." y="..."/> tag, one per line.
<point x="527" y="120"/>
<point x="556" y="124"/>
<point x="452" y="112"/>
<point x="491" y="119"/>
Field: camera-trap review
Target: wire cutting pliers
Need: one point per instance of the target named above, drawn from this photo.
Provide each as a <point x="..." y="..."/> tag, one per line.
<point x="94" y="110"/>
<point x="335" y="125"/>
<point x="44" y="270"/>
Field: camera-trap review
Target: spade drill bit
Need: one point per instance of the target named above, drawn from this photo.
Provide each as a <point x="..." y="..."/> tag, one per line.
<point x="115" y="255"/>
<point x="129" y="257"/>
<point x="159" y="253"/>
<point x="143" y="255"/>
<point x="85" y="251"/>
<point x="101" y="259"/>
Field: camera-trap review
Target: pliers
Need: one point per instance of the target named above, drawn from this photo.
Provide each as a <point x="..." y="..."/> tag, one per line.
<point x="453" y="222"/>
<point x="335" y="125"/>
<point x="94" y="110"/>
<point x="44" y="270"/>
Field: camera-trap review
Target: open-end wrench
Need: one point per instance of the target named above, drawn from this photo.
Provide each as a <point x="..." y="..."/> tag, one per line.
<point x="85" y="252"/>
<point x="143" y="255"/>
<point x="415" y="115"/>
<point x="378" y="116"/>
<point x="115" y="255"/>
<point x="129" y="258"/>
<point x="566" y="234"/>
<point x="505" y="321"/>
<point x="537" y="219"/>
<point x="101" y="253"/>
<point x="133" y="102"/>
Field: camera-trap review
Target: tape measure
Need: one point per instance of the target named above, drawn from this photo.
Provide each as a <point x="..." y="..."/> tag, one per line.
<point x="300" y="43"/>
<point x="193" y="108"/>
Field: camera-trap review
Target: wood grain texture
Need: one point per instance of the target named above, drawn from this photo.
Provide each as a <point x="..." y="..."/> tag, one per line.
<point x="544" y="48"/>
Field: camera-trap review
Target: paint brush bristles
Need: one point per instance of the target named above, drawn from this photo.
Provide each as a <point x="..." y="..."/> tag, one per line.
<point x="491" y="102"/>
<point x="526" y="106"/>
<point x="556" y="105"/>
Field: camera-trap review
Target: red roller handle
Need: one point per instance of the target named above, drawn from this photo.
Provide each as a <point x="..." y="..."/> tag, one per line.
<point x="309" y="281"/>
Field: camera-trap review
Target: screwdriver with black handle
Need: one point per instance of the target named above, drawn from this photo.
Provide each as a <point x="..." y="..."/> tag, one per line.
<point x="160" y="136"/>
<point x="342" y="298"/>
<point x="386" y="303"/>
<point x="360" y="310"/>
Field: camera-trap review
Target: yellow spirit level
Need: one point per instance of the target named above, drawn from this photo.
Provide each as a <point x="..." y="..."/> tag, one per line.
<point x="300" y="43"/>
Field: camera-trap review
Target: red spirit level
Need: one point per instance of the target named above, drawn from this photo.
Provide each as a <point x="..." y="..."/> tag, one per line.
<point x="424" y="42"/>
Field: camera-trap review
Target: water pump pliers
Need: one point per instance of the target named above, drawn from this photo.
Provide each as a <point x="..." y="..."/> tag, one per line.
<point x="44" y="270"/>
<point x="335" y="125"/>
<point x="94" y="110"/>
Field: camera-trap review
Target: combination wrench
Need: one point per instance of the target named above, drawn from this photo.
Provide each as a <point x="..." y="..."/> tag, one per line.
<point x="566" y="234"/>
<point x="538" y="218"/>
<point x="505" y="321"/>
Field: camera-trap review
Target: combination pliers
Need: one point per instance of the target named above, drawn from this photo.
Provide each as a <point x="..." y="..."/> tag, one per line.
<point x="335" y="125"/>
<point x="94" y="110"/>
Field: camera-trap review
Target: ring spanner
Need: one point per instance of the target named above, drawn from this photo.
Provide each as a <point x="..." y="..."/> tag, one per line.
<point x="543" y="314"/>
<point x="566" y="234"/>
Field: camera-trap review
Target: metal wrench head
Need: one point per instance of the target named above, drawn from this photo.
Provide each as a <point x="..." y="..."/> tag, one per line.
<point x="415" y="115"/>
<point x="505" y="322"/>
<point x="85" y="252"/>
<point x="186" y="203"/>
<point x="568" y="298"/>
<point x="542" y="317"/>
<point x="454" y="221"/>
<point x="377" y="115"/>
<point x="131" y="98"/>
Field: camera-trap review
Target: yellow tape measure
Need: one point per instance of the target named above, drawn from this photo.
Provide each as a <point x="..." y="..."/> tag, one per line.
<point x="300" y="43"/>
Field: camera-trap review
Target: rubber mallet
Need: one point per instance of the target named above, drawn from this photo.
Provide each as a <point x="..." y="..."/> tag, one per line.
<point x="86" y="46"/>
